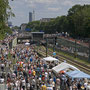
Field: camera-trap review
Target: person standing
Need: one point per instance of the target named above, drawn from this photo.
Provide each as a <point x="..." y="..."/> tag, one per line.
<point x="79" y="86"/>
<point x="2" y="66"/>
<point x="23" y="84"/>
<point x="34" y="73"/>
<point x="43" y="87"/>
<point x="88" y="86"/>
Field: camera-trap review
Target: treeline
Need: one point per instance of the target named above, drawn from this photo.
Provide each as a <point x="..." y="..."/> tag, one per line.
<point x="5" y="13"/>
<point x="76" y="23"/>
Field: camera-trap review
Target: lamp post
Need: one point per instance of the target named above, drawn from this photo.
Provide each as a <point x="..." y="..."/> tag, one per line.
<point x="46" y="46"/>
<point x="88" y="39"/>
<point x="53" y="44"/>
<point x="75" y="51"/>
<point x="75" y="48"/>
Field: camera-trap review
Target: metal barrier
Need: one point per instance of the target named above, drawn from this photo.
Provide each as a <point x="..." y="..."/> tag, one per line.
<point x="71" y="47"/>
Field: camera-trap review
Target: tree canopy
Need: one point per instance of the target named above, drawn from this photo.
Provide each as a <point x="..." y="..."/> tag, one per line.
<point x="76" y="23"/>
<point x="5" y="13"/>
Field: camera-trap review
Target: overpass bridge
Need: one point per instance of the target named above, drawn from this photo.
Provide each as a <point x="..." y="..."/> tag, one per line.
<point x="34" y="37"/>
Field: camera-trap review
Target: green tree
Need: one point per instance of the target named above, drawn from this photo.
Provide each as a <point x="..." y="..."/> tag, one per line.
<point x="76" y="23"/>
<point x="5" y="13"/>
<point x="77" y="17"/>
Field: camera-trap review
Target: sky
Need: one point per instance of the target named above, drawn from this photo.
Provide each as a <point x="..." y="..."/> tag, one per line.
<point x="43" y="9"/>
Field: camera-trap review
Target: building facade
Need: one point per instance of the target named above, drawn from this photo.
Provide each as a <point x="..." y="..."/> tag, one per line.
<point x="9" y="24"/>
<point x="32" y="16"/>
<point x="23" y="26"/>
<point x="46" y="19"/>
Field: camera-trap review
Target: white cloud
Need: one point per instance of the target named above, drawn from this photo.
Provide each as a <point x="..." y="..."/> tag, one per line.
<point x="41" y="1"/>
<point x="84" y="0"/>
<point x="68" y="3"/>
<point x="54" y="9"/>
<point x="47" y="1"/>
<point x="43" y="8"/>
<point x="33" y="3"/>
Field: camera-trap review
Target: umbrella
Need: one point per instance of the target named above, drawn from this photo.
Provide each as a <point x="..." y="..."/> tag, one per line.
<point x="21" y="62"/>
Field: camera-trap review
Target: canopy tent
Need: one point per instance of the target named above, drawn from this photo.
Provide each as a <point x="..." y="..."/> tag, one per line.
<point x="77" y="74"/>
<point x="63" y="66"/>
<point x="50" y="59"/>
<point x="27" y="43"/>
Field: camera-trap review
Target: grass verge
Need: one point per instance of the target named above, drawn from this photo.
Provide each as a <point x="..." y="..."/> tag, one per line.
<point x="76" y="59"/>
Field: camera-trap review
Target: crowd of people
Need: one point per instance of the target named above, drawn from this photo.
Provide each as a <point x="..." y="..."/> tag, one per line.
<point x="29" y="72"/>
<point x="23" y="69"/>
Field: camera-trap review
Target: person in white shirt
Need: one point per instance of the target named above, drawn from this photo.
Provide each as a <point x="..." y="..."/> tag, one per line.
<point x="46" y="76"/>
<point x="28" y="86"/>
<point x="88" y="86"/>
<point x="2" y="67"/>
<point x="85" y="85"/>
<point x="53" y="84"/>
<point x="23" y="84"/>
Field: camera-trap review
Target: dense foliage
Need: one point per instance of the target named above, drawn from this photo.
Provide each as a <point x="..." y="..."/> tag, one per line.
<point x="5" y="13"/>
<point x="76" y="23"/>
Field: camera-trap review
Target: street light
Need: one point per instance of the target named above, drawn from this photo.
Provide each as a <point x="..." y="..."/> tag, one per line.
<point x="88" y="40"/>
<point x="75" y="48"/>
<point x="75" y="51"/>
<point x="46" y="46"/>
<point x="89" y="52"/>
<point x="54" y="43"/>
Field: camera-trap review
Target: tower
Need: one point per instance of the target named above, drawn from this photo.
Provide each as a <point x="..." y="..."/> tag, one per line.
<point x="33" y="16"/>
<point x="30" y="16"/>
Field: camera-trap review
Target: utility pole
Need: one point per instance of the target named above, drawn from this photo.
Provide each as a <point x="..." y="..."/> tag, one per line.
<point x="88" y="41"/>
<point x="53" y="44"/>
<point x="89" y="51"/>
<point x="75" y="51"/>
<point x="46" y="46"/>
<point x="75" y="48"/>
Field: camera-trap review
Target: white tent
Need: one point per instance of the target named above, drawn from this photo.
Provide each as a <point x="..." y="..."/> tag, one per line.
<point x="50" y="59"/>
<point x="27" y="43"/>
<point x="63" y="66"/>
<point x="77" y="74"/>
